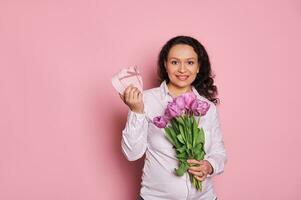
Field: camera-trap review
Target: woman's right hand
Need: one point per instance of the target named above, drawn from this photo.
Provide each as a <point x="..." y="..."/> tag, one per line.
<point x="133" y="98"/>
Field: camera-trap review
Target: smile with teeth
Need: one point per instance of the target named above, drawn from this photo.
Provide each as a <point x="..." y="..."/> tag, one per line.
<point x="182" y="77"/>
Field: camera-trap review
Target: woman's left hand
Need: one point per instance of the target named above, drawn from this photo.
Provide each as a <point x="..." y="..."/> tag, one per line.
<point x="201" y="170"/>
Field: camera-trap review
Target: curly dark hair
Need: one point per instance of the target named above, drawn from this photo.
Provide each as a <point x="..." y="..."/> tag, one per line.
<point x="203" y="82"/>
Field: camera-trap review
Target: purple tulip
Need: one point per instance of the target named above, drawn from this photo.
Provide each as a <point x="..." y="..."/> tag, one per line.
<point x="199" y="107"/>
<point x="173" y="110"/>
<point x="189" y="97"/>
<point x="160" y="121"/>
<point x="180" y="101"/>
<point x="167" y="115"/>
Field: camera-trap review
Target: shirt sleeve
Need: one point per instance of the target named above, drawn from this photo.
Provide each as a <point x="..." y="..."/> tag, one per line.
<point x="217" y="154"/>
<point x="134" y="136"/>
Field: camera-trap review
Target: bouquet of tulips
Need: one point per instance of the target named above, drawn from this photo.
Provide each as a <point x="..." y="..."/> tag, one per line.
<point x="180" y="122"/>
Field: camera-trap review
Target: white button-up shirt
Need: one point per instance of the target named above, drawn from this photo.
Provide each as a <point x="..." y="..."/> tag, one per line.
<point x="140" y="136"/>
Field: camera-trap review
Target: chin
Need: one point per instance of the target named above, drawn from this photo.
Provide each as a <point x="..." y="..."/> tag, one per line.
<point x="182" y="84"/>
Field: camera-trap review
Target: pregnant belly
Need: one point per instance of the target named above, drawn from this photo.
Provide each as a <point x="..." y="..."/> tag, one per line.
<point x="158" y="178"/>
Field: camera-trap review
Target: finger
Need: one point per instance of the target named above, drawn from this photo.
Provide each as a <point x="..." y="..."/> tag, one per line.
<point x="206" y="166"/>
<point x="202" y="174"/>
<point x="202" y="162"/>
<point x="136" y="95"/>
<point x="193" y="161"/>
<point x="197" y="173"/>
<point x="121" y="96"/>
<point x="194" y="168"/>
<point x="127" y="92"/>
<point x="128" y="88"/>
<point x="140" y="96"/>
<point x="202" y="178"/>
<point x="206" y="169"/>
<point x="132" y="93"/>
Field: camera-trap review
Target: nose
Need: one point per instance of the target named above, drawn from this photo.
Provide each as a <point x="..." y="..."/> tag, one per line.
<point x="182" y="67"/>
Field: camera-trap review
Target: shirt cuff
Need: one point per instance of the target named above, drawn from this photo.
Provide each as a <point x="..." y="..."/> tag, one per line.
<point x="135" y="123"/>
<point x="213" y="164"/>
<point x="137" y="115"/>
<point x="135" y="118"/>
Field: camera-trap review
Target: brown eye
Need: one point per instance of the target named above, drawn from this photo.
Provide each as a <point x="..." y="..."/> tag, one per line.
<point x="174" y="62"/>
<point x="190" y="62"/>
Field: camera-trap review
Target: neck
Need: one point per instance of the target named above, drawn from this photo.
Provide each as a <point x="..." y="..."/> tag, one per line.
<point x="175" y="91"/>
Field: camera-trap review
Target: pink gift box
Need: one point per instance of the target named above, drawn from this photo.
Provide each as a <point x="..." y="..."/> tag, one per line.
<point x="125" y="77"/>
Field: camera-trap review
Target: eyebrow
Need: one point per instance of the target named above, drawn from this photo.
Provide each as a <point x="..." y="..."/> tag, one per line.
<point x="178" y="58"/>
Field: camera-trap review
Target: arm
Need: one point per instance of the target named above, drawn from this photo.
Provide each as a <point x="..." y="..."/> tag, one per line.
<point x="217" y="154"/>
<point x="134" y="136"/>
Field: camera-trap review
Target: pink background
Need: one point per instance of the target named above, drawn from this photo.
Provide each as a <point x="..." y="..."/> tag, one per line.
<point x="61" y="119"/>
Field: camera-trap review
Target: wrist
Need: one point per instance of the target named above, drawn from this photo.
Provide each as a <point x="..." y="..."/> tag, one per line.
<point x="210" y="168"/>
<point x="137" y="111"/>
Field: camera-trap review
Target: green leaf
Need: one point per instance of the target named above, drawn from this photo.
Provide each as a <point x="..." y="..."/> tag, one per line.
<point x="182" y="169"/>
<point x="200" y="156"/>
<point x="197" y="151"/>
<point x="171" y="134"/>
<point x="175" y="126"/>
<point x="182" y="155"/>
<point x="189" y="132"/>
<point x="198" y="146"/>
<point x="195" y="132"/>
<point x="202" y="135"/>
<point x="196" y="139"/>
<point x="181" y="129"/>
<point x="180" y="120"/>
<point x="181" y="138"/>
<point x="181" y="149"/>
<point x="189" y="146"/>
<point x="182" y="159"/>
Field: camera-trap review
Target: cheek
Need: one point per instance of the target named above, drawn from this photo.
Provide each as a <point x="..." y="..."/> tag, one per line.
<point x="194" y="70"/>
<point x="170" y="70"/>
<point x="193" y="75"/>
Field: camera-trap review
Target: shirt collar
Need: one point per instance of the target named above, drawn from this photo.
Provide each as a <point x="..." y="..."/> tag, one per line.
<point x="165" y="92"/>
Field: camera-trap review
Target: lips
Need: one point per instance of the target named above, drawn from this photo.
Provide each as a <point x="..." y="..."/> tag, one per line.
<point x="182" y="77"/>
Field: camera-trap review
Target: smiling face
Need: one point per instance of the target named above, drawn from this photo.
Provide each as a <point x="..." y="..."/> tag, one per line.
<point x="182" y="67"/>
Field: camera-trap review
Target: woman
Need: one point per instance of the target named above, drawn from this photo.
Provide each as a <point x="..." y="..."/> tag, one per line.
<point x="183" y="66"/>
